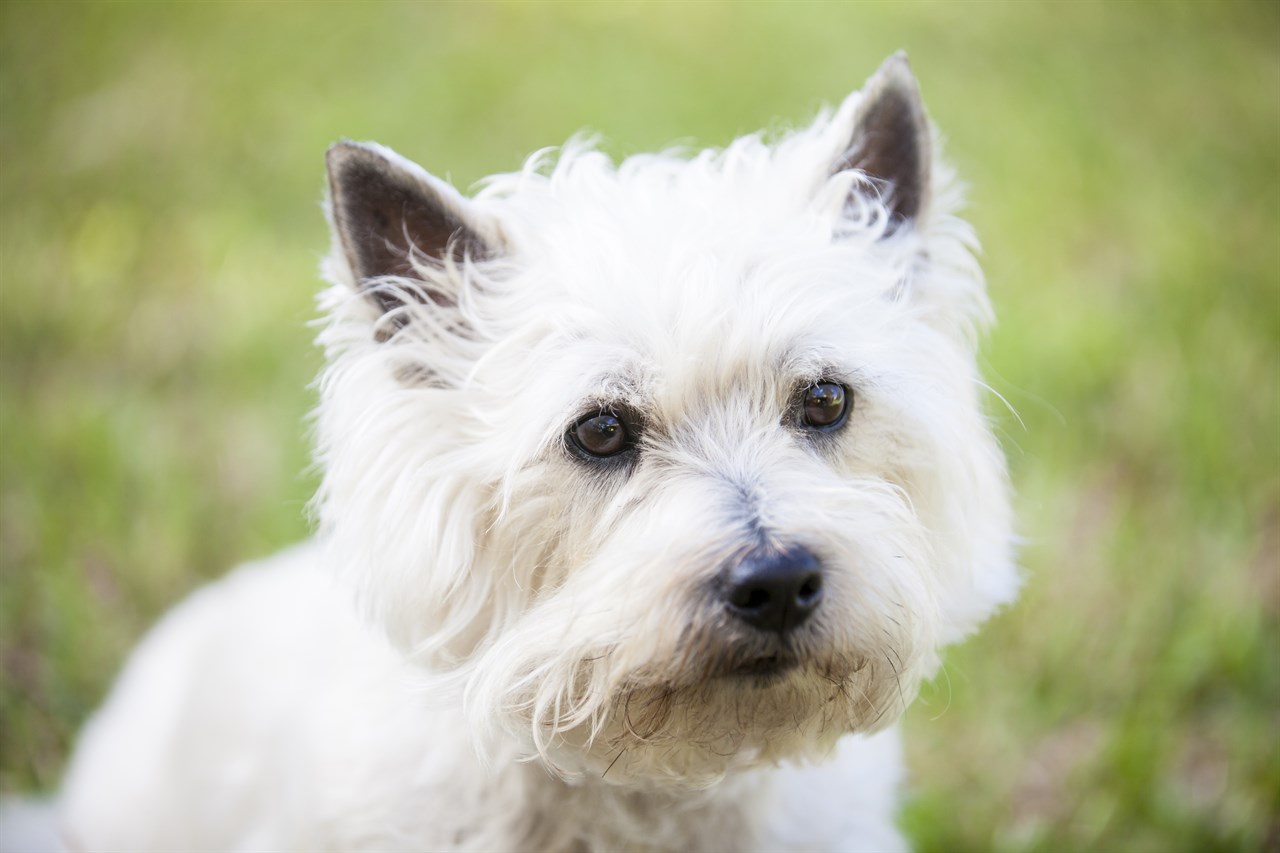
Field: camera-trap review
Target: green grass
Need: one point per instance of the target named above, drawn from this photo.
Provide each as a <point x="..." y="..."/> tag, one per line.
<point x="160" y="169"/>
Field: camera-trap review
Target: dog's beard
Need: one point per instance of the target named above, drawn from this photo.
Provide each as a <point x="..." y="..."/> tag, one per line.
<point x="630" y="668"/>
<point x="682" y="714"/>
<point x="692" y="734"/>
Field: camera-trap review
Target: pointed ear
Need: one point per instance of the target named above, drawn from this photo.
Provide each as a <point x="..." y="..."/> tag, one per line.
<point x="389" y="214"/>
<point x="890" y="140"/>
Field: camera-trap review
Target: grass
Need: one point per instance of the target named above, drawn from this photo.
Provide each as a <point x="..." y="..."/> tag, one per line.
<point x="159" y="230"/>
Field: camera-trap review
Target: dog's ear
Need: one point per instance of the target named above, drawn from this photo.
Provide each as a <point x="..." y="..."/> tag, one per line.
<point x="890" y="141"/>
<point x="390" y="216"/>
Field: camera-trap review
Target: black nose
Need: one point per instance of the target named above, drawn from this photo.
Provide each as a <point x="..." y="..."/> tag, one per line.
<point x="774" y="591"/>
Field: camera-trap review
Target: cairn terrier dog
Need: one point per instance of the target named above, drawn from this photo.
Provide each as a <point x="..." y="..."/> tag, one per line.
<point x="651" y="492"/>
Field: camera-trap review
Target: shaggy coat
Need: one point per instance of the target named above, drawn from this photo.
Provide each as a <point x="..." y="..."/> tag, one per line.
<point x="504" y="637"/>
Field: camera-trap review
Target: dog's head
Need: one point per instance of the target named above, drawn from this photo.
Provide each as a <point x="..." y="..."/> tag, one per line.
<point x="679" y="465"/>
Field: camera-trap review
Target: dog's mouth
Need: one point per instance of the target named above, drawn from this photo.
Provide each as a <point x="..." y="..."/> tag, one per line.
<point x="767" y="668"/>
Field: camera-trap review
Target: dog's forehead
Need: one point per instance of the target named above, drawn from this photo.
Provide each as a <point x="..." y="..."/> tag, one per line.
<point x="693" y="264"/>
<point x="716" y="324"/>
<point x="678" y="280"/>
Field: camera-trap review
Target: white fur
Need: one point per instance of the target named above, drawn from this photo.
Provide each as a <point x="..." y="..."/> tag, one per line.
<point x="527" y="666"/>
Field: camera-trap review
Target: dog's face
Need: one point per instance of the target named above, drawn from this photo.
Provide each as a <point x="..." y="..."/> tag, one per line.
<point x="675" y="467"/>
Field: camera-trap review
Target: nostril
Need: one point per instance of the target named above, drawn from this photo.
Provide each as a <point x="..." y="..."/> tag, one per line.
<point x="810" y="589"/>
<point x="751" y="598"/>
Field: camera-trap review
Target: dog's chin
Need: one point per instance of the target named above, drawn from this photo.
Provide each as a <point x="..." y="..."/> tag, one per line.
<point x="758" y="711"/>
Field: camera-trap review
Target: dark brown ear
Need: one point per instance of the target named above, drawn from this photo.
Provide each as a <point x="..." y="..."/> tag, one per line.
<point x="389" y="214"/>
<point x="890" y="140"/>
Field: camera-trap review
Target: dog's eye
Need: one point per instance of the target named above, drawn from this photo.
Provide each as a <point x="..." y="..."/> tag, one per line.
<point x="604" y="434"/>
<point x="825" y="405"/>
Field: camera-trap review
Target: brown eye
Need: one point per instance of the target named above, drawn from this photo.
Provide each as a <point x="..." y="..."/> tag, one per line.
<point x="600" y="435"/>
<point x="825" y="405"/>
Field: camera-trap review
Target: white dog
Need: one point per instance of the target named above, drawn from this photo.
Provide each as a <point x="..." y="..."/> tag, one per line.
<point x="651" y="493"/>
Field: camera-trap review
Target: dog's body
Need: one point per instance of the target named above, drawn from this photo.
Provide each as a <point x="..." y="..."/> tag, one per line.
<point x="651" y="494"/>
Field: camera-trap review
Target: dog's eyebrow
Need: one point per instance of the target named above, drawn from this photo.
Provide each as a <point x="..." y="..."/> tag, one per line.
<point x="629" y="384"/>
<point x="811" y="363"/>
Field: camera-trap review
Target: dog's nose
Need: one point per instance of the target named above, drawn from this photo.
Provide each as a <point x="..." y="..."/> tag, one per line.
<point x="775" y="590"/>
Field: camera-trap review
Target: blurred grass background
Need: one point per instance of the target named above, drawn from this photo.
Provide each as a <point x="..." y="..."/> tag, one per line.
<point x="160" y="172"/>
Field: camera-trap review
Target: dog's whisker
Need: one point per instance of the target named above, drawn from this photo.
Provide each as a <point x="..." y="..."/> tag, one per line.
<point x="611" y="763"/>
